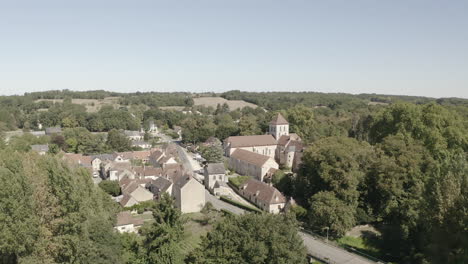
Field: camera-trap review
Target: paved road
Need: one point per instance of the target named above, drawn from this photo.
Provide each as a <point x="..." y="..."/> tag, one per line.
<point x="330" y="253"/>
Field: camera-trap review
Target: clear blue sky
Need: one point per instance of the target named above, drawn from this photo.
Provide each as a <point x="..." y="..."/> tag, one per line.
<point x="406" y="47"/>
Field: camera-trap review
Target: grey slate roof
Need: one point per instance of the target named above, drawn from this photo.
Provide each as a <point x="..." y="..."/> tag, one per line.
<point x="215" y="168"/>
<point x="53" y="130"/>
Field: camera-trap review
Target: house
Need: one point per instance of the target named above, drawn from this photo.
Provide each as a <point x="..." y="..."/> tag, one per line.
<point x="126" y="223"/>
<point x="221" y="188"/>
<point x="167" y="160"/>
<point x="141" y="144"/>
<point x="189" y="194"/>
<point x="214" y="172"/>
<point x="96" y="160"/>
<point x="41" y="149"/>
<point x="152" y="128"/>
<point x="266" y="197"/>
<point x="37" y="133"/>
<point x="159" y="186"/>
<point x="250" y="163"/>
<point x="260" y="144"/>
<point x="178" y="130"/>
<point x="53" y="130"/>
<point x="147" y="172"/>
<point x="134" y="191"/>
<point x="134" y="135"/>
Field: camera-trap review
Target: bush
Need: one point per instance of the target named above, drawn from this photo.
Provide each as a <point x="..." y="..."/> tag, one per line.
<point x="238" y="181"/>
<point x="110" y="187"/>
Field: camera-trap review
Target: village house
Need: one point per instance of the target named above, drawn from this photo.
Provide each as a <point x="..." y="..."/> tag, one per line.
<point x="159" y="186"/>
<point x="214" y="172"/>
<point x="152" y="128"/>
<point x="141" y="144"/>
<point x="126" y="223"/>
<point x="250" y="163"/>
<point x="41" y="149"/>
<point x="189" y="194"/>
<point x="134" y="191"/>
<point x="134" y="135"/>
<point x="266" y="197"/>
<point x="221" y="188"/>
<point x="53" y="130"/>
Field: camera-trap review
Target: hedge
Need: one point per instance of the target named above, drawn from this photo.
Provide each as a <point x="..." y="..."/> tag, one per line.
<point x="243" y="206"/>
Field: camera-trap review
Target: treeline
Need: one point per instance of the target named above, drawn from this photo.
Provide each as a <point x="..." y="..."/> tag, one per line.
<point x="334" y="101"/>
<point x="404" y="169"/>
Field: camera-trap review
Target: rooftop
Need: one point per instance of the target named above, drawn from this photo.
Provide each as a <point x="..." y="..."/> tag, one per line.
<point x="250" y="157"/>
<point x="251" y="141"/>
<point x="216" y="168"/>
<point x="263" y="192"/>
<point x="279" y="120"/>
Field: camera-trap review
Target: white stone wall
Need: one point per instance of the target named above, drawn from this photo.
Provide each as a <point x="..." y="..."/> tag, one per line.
<point x="191" y="198"/>
<point x="130" y="228"/>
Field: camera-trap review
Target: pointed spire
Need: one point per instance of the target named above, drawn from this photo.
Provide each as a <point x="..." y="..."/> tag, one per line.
<point x="279" y="120"/>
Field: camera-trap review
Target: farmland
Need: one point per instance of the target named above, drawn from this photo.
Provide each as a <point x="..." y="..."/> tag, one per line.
<point x="214" y="101"/>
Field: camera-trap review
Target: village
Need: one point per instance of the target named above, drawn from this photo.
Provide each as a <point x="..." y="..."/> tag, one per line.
<point x="244" y="179"/>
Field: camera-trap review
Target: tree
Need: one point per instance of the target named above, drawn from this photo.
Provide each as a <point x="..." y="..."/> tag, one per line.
<point x="248" y="126"/>
<point x="162" y="238"/>
<point x="252" y="238"/>
<point x="110" y="187"/>
<point x="327" y="211"/>
<point x="117" y="141"/>
<point x="51" y="213"/>
<point x="212" y="154"/>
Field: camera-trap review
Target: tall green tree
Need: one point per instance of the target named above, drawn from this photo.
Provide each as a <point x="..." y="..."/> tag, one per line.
<point x="252" y="239"/>
<point x="162" y="238"/>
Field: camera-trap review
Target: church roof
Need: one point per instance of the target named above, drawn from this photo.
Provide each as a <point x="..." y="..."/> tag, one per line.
<point x="279" y="120"/>
<point x="251" y="141"/>
<point x="250" y="157"/>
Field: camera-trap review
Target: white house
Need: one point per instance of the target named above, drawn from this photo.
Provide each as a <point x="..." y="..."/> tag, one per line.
<point x="267" y="197"/>
<point x="126" y="223"/>
<point x="189" y="194"/>
<point x="134" y="135"/>
<point x="249" y="163"/>
<point x="41" y="149"/>
<point x="214" y="172"/>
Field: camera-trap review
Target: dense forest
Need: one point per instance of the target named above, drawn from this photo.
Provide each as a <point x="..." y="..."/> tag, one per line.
<point x="398" y="163"/>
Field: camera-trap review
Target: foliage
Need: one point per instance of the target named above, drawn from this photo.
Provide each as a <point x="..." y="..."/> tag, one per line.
<point x="50" y="213"/>
<point x="212" y="154"/>
<point x="252" y="238"/>
<point x="238" y="181"/>
<point x="110" y="187"/>
<point x="117" y="141"/>
<point x="162" y="238"/>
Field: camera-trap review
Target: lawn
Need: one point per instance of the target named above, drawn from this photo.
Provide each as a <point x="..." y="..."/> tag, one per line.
<point x="197" y="226"/>
<point x="364" y="245"/>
